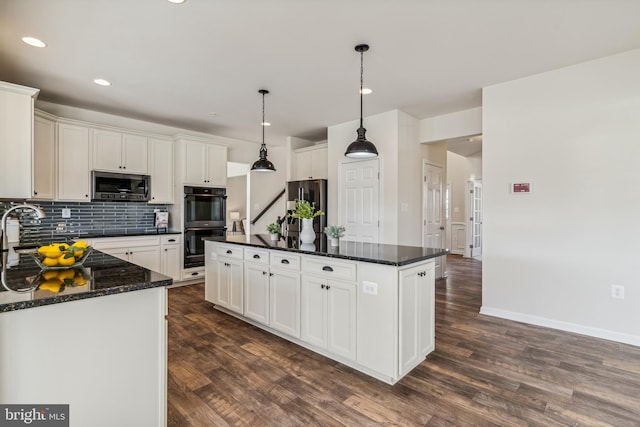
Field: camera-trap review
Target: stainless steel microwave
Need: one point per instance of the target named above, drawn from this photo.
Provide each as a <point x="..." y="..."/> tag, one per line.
<point x="119" y="187"/>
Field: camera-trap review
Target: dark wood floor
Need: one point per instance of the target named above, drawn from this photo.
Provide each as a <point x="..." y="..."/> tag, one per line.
<point x="483" y="372"/>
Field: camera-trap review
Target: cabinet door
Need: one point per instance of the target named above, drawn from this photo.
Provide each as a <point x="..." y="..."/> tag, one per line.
<point x="411" y="280"/>
<point x="427" y="319"/>
<point x="44" y="159"/>
<point x="341" y="318"/>
<point x="256" y="303"/>
<point x="161" y="171"/>
<point x="194" y="163"/>
<point x="134" y="154"/>
<point x="313" y="311"/>
<point x="236" y="286"/>
<point x="122" y="253"/>
<point x="303" y="165"/>
<point x="222" y="297"/>
<point x="284" y="292"/>
<point x="171" y="261"/>
<point x="73" y="163"/>
<point x="107" y="150"/>
<point x="216" y="172"/>
<point x="145" y="256"/>
<point x="319" y="161"/>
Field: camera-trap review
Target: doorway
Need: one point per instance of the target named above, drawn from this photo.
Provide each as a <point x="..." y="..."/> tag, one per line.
<point x="474" y="209"/>
<point x="358" y="200"/>
<point x="433" y="233"/>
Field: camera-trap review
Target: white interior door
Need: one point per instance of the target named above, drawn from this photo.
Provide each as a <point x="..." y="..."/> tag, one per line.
<point x="358" y="210"/>
<point x="475" y="204"/>
<point x="432" y="203"/>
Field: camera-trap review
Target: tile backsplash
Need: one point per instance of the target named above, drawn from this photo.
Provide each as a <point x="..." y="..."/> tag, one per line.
<point x="86" y="218"/>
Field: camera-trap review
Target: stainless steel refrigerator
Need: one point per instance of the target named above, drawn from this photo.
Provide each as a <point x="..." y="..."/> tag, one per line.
<point x="314" y="191"/>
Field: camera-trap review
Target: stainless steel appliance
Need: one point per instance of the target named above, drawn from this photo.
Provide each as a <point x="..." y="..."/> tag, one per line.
<point x="205" y="211"/>
<point x="119" y="187"/>
<point x="314" y="191"/>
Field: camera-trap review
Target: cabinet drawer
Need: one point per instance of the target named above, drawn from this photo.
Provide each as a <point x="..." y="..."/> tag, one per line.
<point x="125" y="242"/>
<point x="330" y="268"/>
<point x="258" y="256"/>
<point x="285" y="260"/>
<point x="193" y="274"/>
<point x="171" y="239"/>
<point x="230" y="251"/>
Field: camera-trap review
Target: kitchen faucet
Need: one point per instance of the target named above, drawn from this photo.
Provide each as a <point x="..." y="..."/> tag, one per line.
<point x="39" y="214"/>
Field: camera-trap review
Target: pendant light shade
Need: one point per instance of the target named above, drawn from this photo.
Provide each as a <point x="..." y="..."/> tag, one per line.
<point x="263" y="164"/>
<point x="361" y="148"/>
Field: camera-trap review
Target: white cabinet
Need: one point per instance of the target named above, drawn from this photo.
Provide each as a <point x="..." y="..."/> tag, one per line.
<point x="73" y="163"/>
<point x="16" y="140"/>
<point x="328" y="311"/>
<point x="284" y="301"/>
<point x="170" y="249"/>
<point x="143" y="251"/>
<point x="161" y="170"/>
<point x="256" y="292"/>
<point x="417" y="315"/>
<point x="119" y="152"/>
<point x="310" y="163"/>
<point x="203" y="164"/>
<point x="228" y="287"/>
<point x="44" y="159"/>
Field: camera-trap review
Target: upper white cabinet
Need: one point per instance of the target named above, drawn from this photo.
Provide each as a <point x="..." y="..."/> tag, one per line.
<point x="44" y="159"/>
<point x="161" y="170"/>
<point x="16" y="140"/>
<point x="310" y="163"/>
<point x="73" y="163"/>
<point x="119" y="152"/>
<point x="203" y="164"/>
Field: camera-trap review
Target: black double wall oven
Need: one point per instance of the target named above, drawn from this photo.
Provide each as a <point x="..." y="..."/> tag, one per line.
<point x="205" y="212"/>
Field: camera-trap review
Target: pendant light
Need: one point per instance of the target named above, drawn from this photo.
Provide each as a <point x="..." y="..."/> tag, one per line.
<point x="361" y="148"/>
<point x="262" y="164"/>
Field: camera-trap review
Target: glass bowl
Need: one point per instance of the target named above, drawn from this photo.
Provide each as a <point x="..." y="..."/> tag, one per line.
<point x="78" y="262"/>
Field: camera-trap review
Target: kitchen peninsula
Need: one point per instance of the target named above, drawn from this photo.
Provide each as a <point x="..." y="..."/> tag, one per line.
<point x="97" y="344"/>
<point x="367" y="305"/>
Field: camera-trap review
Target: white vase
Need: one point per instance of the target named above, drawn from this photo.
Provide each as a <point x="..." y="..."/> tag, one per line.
<point x="335" y="241"/>
<point x="307" y="235"/>
<point x="274" y="236"/>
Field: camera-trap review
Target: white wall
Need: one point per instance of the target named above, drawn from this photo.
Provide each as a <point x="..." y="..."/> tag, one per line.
<point x="550" y="257"/>
<point x="461" y="169"/>
<point x="453" y="125"/>
<point x="264" y="186"/>
<point x="236" y="197"/>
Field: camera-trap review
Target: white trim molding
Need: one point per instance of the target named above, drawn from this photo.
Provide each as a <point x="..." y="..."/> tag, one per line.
<point x="563" y="326"/>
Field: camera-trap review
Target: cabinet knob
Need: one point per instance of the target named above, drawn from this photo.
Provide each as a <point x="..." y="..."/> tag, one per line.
<point x="86" y="195"/>
<point x="322" y="286"/>
<point x="328" y="287"/>
<point x="264" y="273"/>
<point x="165" y="249"/>
<point x="327" y="268"/>
<point x="229" y="251"/>
<point x="35" y="193"/>
<point x="270" y="274"/>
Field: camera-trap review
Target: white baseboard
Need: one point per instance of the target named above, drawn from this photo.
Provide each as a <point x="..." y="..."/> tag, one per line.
<point x="563" y="326"/>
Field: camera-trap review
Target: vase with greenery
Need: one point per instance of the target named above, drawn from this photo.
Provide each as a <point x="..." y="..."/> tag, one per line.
<point x="274" y="231"/>
<point x="306" y="212"/>
<point x="334" y="232"/>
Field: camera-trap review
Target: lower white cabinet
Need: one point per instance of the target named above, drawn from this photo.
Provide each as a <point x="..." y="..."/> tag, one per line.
<point x="284" y="293"/>
<point x="170" y="248"/>
<point x="256" y="290"/>
<point x="329" y="315"/>
<point x="141" y="250"/>
<point x="229" y="292"/>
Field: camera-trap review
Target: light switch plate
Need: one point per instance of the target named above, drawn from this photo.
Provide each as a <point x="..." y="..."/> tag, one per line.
<point x="66" y="213"/>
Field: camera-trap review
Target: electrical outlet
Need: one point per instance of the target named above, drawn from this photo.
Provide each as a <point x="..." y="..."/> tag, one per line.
<point x="617" y="291"/>
<point x="66" y="213"/>
<point x="370" y="288"/>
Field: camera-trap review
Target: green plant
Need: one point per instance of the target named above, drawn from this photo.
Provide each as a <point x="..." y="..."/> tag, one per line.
<point x="273" y="228"/>
<point x="334" y="231"/>
<point x="304" y="209"/>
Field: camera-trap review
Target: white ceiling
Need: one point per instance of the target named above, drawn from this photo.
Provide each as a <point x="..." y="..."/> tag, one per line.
<point x="175" y="64"/>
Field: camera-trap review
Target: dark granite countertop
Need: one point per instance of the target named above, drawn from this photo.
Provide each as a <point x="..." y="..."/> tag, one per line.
<point x="27" y="286"/>
<point x="378" y="253"/>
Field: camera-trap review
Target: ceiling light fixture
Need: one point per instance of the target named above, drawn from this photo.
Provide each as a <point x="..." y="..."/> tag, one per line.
<point x="32" y="41"/>
<point x="102" y="82"/>
<point x="177" y="1"/>
<point x="262" y="164"/>
<point x="361" y="148"/>
<point x="366" y="91"/>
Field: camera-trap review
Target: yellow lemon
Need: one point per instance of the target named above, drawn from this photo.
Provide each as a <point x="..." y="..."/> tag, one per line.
<point x="65" y="261"/>
<point x="79" y="280"/>
<point x="80" y="244"/>
<point x="52" y="285"/>
<point x="66" y="274"/>
<point x="50" y="262"/>
<point x="48" y="275"/>
<point x="49" y="251"/>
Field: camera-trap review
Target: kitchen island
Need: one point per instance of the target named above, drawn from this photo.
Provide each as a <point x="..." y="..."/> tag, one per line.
<point x="97" y="343"/>
<point x="369" y="306"/>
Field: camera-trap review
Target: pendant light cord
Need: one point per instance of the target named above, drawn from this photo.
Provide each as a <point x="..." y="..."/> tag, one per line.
<point x="263" y="119"/>
<point x="361" y="83"/>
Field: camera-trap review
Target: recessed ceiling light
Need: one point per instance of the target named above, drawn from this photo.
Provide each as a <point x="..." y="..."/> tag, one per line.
<point x="102" y="82"/>
<point x="265" y="124"/>
<point x="32" y="41"/>
<point x="366" y="91"/>
<point x="177" y="1"/>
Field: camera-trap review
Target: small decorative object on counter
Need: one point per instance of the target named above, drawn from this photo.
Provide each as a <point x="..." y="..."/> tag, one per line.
<point x="334" y="232"/>
<point x="306" y="212"/>
<point x="274" y="231"/>
<point x="61" y="256"/>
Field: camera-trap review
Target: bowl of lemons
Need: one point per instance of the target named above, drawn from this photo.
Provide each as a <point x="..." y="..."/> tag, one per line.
<point x="61" y="256"/>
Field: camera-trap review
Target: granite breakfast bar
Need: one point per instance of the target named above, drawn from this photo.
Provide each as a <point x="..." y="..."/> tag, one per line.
<point x="369" y="306"/>
<point x="99" y="344"/>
